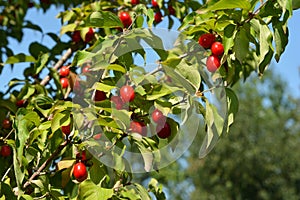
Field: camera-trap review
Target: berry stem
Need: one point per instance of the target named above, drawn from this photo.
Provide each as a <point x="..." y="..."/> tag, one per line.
<point x="7" y="171"/>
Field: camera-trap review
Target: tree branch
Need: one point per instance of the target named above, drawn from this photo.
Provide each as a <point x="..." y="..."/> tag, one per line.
<point x="47" y="162"/>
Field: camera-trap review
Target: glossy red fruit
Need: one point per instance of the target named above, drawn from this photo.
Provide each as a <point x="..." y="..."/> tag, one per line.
<point x="127" y="93"/>
<point x="154" y="3"/>
<point x="6" y="124"/>
<point x="89" y="35"/>
<point x="217" y="48"/>
<point x="99" y="95"/>
<point x="64" y="71"/>
<point x="86" y="69"/>
<point x="80" y="172"/>
<point x="64" y="82"/>
<point x="118" y="102"/>
<point x="5" y="151"/>
<point x="125" y="19"/>
<point x="20" y="103"/>
<point x="213" y="63"/>
<point x="163" y="132"/>
<point x="138" y="127"/>
<point x="206" y="40"/>
<point x="76" y="37"/>
<point x="97" y="136"/>
<point x="158" y="17"/>
<point x="135" y="2"/>
<point x="171" y="10"/>
<point x="66" y="129"/>
<point x="158" y="117"/>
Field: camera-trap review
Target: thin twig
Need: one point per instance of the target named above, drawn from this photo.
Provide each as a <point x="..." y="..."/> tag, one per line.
<point x="47" y="162"/>
<point x="7" y="171"/>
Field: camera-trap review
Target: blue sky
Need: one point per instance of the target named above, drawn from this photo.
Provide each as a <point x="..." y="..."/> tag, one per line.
<point x="288" y="66"/>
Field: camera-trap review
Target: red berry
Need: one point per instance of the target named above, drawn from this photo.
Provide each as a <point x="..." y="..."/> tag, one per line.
<point x="86" y="69"/>
<point x="81" y="156"/>
<point x="80" y="172"/>
<point x="118" y="102"/>
<point x="213" y="63"/>
<point x="89" y="35"/>
<point x="5" y="151"/>
<point x="217" y="48"/>
<point x="20" y="103"/>
<point x="64" y="82"/>
<point x="163" y="131"/>
<point x="138" y="127"/>
<point x="66" y="129"/>
<point x="158" y="117"/>
<point x="127" y="93"/>
<point x="125" y="19"/>
<point x="64" y="71"/>
<point x="158" y="17"/>
<point x="97" y="136"/>
<point x="99" y="95"/>
<point x="6" y="124"/>
<point x="154" y="3"/>
<point x="135" y="2"/>
<point x="206" y="40"/>
<point x="76" y="37"/>
<point x="171" y="10"/>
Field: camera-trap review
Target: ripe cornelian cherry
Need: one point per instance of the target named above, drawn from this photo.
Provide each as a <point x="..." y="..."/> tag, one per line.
<point x="154" y="3"/>
<point x="97" y="136"/>
<point x="99" y="95"/>
<point x="138" y="127"/>
<point x="76" y="37"/>
<point x="66" y="129"/>
<point x="206" y="40"/>
<point x="5" y="151"/>
<point x="213" y="63"/>
<point x="80" y="172"/>
<point x="64" y="71"/>
<point x="125" y="19"/>
<point x="127" y="93"/>
<point x="217" y="48"/>
<point x="64" y="82"/>
<point x="6" y="124"/>
<point x="158" y="17"/>
<point x="171" y="10"/>
<point x="158" y="117"/>
<point x="118" y="102"/>
<point x="89" y="35"/>
<point x="164" y="131"/>
<point x="135" y="2"/>
<point x="86" y="69"/>
<point x="20" y="103"/>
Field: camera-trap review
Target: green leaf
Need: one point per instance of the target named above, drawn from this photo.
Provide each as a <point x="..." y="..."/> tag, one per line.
<point x="103" y="87"/>
<point x="296" y="4"/>
<point x="228" y="39"/>
<point x="229" y="4"/>
<point x="241" y="45"/>
<point x="89" y="191"/>
<point x="82" y="57"/>
<point x="68" y="28"/>
<point x="233" y="106"/>
<point x="60" y="119"/>
<point x="19" y="58"/>
<point x="142" y="192"/>
<point x="41" y="63"/>
<point x="36" y="49"/>
<point x="103" y="19"/>
<point x="280" y="37"/>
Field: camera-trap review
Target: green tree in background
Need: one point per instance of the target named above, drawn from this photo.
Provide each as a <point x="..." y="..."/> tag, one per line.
<point x="259" y="159"/>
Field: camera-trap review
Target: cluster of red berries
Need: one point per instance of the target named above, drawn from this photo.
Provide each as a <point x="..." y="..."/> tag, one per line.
<point x="64" y="72"/>
<point x="208" y="40"/>
<point x="76" y="37"/>
<point x="126" y="18"/>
